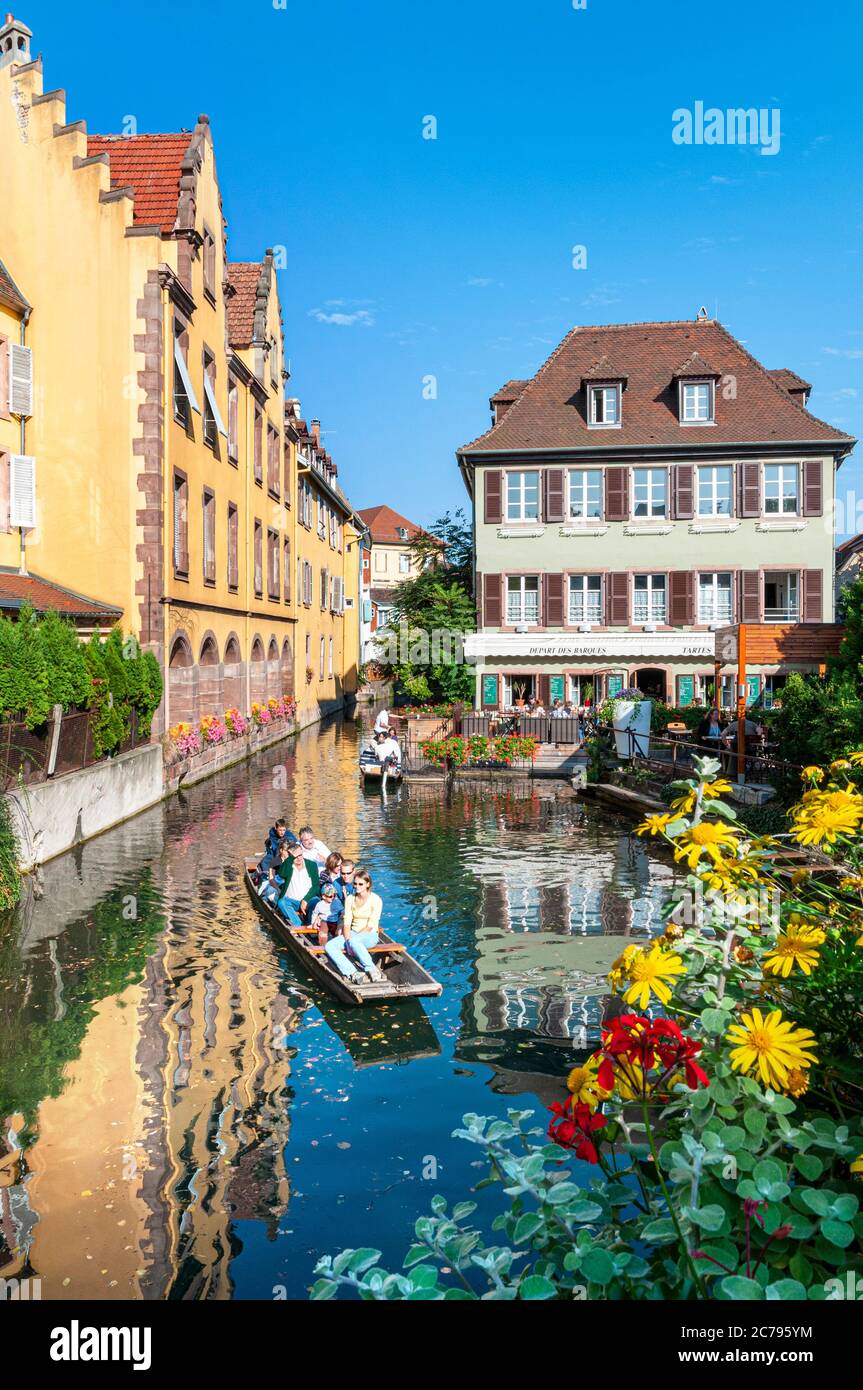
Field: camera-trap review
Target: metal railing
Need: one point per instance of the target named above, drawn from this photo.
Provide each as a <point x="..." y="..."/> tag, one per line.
<point x="544" y="728"/>
<point x="759" y="763"/>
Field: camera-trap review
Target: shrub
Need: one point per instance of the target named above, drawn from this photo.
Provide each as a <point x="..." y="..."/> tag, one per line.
<point x="10" y="882"/>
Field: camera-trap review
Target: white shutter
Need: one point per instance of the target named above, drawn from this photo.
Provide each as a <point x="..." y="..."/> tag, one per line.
<point x="183" y="369"/>
<point x="20" y="380"/>
<point x="214" y="405"/>
<point x="22" y="491"/>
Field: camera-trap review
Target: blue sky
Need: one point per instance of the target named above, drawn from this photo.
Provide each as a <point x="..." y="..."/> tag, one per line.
<point x="409" y="258"/>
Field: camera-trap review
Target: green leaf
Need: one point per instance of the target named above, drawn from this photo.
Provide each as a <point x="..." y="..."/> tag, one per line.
<point x="845" y="1207"/>
<point x="361" y="1260"/>
<point x="735" y="1286"/>
<point x="598" y="1267"/>
<point x="527" y="1226"/>
<point x="709" y="1218"/>
<point x="838" y="1233"/>
<point x="715" y="1020"/>
<point x="809" y="1166"/>
<point x="414" y="1255"/>
<point x="815" y="1200"/>
<point x="785" y="1289"/>
<point x="766" y="1173"/>
<point x="659" y="1232"/>
<point x="324" y="1288"/>
<point x="755" y="1122"/>
<point x="801" y="1268"/>
<point x="535" y="1287"/>
<point x="462" y="1210"/>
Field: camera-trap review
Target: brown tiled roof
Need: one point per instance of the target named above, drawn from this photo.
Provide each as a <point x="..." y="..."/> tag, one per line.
<point x="43" y="595"/>
<point x="383" y="523"/>
<point x="696" y="366"/>
<point x="151" y="164"/>
<point x="244" y="277"/>
<point x="549" y="413"/>
<point x="603" y="369"/>
<point x="384" y="596"/>
<point x="508" y="393"/>
<point x="9" y="291"/>
<point x="789" y="380"/>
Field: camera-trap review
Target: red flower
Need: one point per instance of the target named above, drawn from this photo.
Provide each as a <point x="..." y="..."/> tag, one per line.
<point x="574" y="1129"/>
<point x="648" y="1044"/>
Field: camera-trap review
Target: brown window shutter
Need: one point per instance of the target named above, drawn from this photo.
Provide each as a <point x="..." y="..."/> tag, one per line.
<point x="554" y="600"/>
<point x="681" y="598"/>
<point x="749" y="490"/>
<point x="616" y="490"/>
<point x="813" y="490"/>
<point x="750" y="596"/>
<point x="554" y="494"/>
<point x="493" y="606"/>
<point x="543" y="688"/>
<point x="813" y="596"/>
<point x="618" y="599"/>
<point x="493" y="496"/>
<point x="683" y="491"/>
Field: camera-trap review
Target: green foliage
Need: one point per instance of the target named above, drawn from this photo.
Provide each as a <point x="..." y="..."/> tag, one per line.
<point x="819" y="719"/>
<point x="10" y="881"/>
<point x="30" y="694"/>
<point x="63" y="658"/>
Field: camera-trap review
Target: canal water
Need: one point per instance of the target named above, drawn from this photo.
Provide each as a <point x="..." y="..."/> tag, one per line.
<point x="185" y="1116"/>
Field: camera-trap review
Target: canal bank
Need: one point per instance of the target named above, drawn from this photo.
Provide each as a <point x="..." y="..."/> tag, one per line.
<point x="164" y="1065"/>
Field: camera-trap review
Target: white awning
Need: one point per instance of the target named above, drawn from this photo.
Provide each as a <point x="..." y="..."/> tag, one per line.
<point x="601" y="646"/>
<point x="213" y="404"/>
<point x="184" y="376"/>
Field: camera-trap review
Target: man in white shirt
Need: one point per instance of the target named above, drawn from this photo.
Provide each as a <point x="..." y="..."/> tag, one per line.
<point x="382" y="723"/>
<point x="388" y="748"/>
<point x="312" y="847"/>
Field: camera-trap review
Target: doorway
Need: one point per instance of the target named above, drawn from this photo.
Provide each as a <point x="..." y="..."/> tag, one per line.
<point x="652" y="682"/>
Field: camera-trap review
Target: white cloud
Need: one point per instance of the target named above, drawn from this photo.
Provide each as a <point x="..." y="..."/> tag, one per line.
<point x="852" y="353"/>
<point x="363" y="318"/>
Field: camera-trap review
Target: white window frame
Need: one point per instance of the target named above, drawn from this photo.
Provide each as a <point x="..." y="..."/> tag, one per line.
<point x="185" y="377"/>
<point x="580" y="483"/>
<point x="689" y="419"/>
<point x="587" y="587"/>
<point x="331" y="657"/>
<point x="210" y="398"/>
<point x="790" y="613"/>
<point x="651" y="514"/>
<point x="518" y="501"/>
<point x="656" y="587"/>
<point x="521" y="591"/>
<point x="780" y="469"/>
<point x="715" y="589"/>
<point x="708" y="473"/>
<point x="604" y="392"/>
<point x="404" y="564"/>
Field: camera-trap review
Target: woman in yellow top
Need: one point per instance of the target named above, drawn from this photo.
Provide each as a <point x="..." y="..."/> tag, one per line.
<point x="358" y="932"/>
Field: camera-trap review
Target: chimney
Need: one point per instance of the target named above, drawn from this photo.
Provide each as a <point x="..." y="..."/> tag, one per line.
<point x="316" y="430"/>
<point x="14" y="42"/>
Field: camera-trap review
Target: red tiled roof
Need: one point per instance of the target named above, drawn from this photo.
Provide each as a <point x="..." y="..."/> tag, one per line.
<point x="43" y="595"/>
<point x="151" y="164"/>
<point x="549" y="413"/>
<point x="508" y="393"/>
<point x="9" y="291"/>
<point x="244" y="278"/>
<point x="789" y="380"/>
<point x="383" y="523"/>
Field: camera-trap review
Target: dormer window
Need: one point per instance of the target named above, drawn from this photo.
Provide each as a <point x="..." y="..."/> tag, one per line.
<point x="604" y="405"/>
<point x="697" y="402"/>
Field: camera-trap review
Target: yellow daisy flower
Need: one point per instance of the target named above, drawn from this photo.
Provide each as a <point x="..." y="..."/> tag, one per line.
<point x="795" y="947"/>
<point x="770" y="1047"/>
<point x="684" y="804"/>
<point x="710" y="790"/>
<point x="583" y="1084"/>
<point x="654" y="825"/>
<point x="812" y="774"/>
<point x="857" y="1165"/>
<point x="619" y="972"/>
<point x="709" y="837"/>
<point x="797" y="1084"/>
<point x="648" y="973"/>
<point x="856" y="757"/>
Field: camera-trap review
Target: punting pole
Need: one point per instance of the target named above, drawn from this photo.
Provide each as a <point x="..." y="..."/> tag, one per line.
<point x="741" y="702"/>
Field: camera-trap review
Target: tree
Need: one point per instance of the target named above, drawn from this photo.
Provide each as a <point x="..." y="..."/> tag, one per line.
<point x="432" y="611"/>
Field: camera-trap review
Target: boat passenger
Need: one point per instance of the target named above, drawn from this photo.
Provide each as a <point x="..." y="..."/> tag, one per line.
<point x="301" y="884"/>
<point x="387" y="750"/>
<point x="345" y="882"/>
<point x="382" y="723"/>
<point x="271" y="886"/>
<point x="331" y="871"/>
<point x="358" y="933"/>
<point x="277" y="835"/>
<point x="327" y="913"/>
<point x="314" y="848"/>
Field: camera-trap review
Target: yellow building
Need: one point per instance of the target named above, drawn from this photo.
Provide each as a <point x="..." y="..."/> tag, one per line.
<point x="150" y="441"/>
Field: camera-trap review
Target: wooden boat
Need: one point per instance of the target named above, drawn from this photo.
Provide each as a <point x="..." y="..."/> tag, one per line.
<point x="383" y="775"/>
<point x="404" y="977"/>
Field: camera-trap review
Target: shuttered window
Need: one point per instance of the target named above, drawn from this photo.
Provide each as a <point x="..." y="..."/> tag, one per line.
<point x="649" y="598"/>
<point x="272" y="461"/>
<point x="259" y="559"/>
<point x="616" y="494"/>
<point x="714" y="598"/>
<point x="585" y="598"/>
<point x="522" y="599"/>
<point x="585" y="493"/>
<point x="649" y="492"/>
<point x="273" y="564"/>
<point x="287" y="579"/>
<point x="233" y="547"/>
<point x="181" y="524"/>
<point x="209" y="511"/>
<point x="813" y="488"/>
<point x="233" y="420"/>
<point x="259" y="444"/>
<point x="714" y="491"/>
<point x="522" y="496"/>
<point x="493" y="496"/>
<point x="750" y="489"/>
<point x="781" y="489"/>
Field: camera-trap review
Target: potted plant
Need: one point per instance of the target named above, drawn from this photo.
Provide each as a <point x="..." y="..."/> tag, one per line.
<point x="629" y="713"/>
<point x="519" y="690"/>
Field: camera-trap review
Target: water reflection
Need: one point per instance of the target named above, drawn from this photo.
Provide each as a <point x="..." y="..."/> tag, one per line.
<point x="184" y="1115"/>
